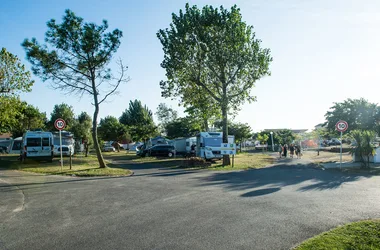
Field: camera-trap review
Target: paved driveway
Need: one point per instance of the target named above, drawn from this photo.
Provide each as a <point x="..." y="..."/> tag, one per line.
<point x="272" y="208"/>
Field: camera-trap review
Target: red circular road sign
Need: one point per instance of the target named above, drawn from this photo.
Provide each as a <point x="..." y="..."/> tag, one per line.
<point x="60" y="124"/>
<point x="341" y="126"/>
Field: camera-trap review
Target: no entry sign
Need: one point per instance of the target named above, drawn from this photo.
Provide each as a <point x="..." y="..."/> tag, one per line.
<point x="60" y="124"/>
<point x="341" y="126"/>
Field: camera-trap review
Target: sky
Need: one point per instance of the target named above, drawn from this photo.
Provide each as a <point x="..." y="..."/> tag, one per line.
<point x="324" y="51"/>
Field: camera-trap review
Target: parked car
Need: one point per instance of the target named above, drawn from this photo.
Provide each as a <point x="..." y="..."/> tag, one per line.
<point x="140" y="150"/>
<point x="159" y="150"/>
<point x="334" y="142"/>
<point x="3" y="149"/>
<point x="108" y="149"/>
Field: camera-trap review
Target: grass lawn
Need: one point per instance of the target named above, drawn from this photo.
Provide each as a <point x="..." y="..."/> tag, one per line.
<point x="242" y="161"/>
<point x="325" y="157"/>
<point x="81" y="166"/>
<point x="358" y="235"/>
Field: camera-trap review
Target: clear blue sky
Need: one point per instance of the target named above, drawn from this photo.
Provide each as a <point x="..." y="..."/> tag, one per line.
<point x="323" y="52"/>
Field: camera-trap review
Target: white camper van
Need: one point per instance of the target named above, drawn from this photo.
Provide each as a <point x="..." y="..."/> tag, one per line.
<point x="183" y="145"/>
<point x="37" y="145"/>
<point x="209" y="144"/>
<point x="15" y="147"/>
<point x="68" y="143"/>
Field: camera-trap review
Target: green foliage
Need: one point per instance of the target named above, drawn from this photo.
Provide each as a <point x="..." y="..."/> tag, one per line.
<point x="139" y="120"/>
<point x="10" y="108"/>
<point x="75" y="54"/>
<point x="81" y="127"/>
<point x="110" y="129"/>
<point x="28" y="118"/>
<point x="75" y="59"/>
<point x="13" y="76"/>
<point x="165" y="115"/>
<point x="182" y="127"/>
<point x="212" y="52"/>
<point x="241" y="131"/>
<point x="358" y="113"/>
<point x="284" y="136"/>
<point x="364" y="148"/>
<point x="262" y="138"/>
<point x="63" y="111"/>
<point x="323" y="134"/>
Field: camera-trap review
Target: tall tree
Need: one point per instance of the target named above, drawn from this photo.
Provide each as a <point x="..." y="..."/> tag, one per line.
<point x="182" y="127"/>
<point x="63" y="111"/>
<point x="13" y="76"/>
<point x="215" y="50"/>
<point x="359" y="113"/>
<point x="241" y="131"/>
<point x="199" y="105"/>
<point x="82" y="130"/>
<point x="75" y="59"/>
<point x="165" y="115"/>
<point x="110" y="129"/>
<point x="28" y="118"/>
<point x="139" y="120"/>
<point x="13" y="80"/>
<point x="10" y="109"/>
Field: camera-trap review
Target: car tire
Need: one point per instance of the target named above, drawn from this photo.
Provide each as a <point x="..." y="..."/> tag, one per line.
<point x="170" y="154"/>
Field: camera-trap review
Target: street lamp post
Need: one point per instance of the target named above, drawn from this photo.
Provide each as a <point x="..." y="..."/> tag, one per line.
<point x="271" y="135"/>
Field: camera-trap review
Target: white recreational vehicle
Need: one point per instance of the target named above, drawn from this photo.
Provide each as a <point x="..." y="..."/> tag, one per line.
<point x="37" y="145"/>
<point x="67" y="143"/>
<point x="183" y="145"/>
<point x="209" y="144"/>
<point x="15" y="147"/>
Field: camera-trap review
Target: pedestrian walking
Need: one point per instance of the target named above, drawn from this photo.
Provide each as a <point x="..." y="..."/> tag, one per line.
<point x="280" y="150"/>
<point x="291" y="149"/>
<point x="298" y="150"/>
<point x="285" y="150"/>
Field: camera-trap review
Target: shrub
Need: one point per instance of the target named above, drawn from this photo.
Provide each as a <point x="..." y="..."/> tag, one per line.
<point x="364" y="149"/>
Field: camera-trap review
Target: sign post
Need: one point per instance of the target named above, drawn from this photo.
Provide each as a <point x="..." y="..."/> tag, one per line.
<point x="341" y="126"/>
<point x="60" y="124"/>
<point x="228" y="149"/>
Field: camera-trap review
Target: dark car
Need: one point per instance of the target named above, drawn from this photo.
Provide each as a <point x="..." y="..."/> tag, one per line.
<point x="159" y="150"/>
<point x="3" y="149"/>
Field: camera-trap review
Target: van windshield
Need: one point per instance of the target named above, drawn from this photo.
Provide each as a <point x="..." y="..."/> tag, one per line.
<point x="33" y="142"/>
<point x="213" y="142"/>
<point x="65" y="141"/>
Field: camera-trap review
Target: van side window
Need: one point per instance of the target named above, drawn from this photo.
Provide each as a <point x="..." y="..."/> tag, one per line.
<point x="45" y="142"/>
<point x="33" y="142"/>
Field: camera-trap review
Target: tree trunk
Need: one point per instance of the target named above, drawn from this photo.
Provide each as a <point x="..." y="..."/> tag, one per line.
<point x="205" y="124"/>
<point x="95" y="138"/>
<point x="226" y="158"/>
<point x="86" y="149"/>
<point x="99" y="155"/>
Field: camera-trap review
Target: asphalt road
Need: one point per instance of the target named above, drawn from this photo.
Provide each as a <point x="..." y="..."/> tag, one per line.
<point x="271" y="208"/>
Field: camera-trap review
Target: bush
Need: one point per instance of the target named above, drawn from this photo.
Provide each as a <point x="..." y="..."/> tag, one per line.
<point x="364" y="148"/>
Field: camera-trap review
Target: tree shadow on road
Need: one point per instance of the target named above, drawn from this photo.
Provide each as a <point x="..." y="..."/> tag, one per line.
<point x="274" y="178"/>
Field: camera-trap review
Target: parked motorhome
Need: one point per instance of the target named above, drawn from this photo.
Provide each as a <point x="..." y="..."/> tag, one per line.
<point x="209" y="144"/>
<point x="67" y="143"/>
<point x="183" y="145"/>
<point x="15" y="147"/>
<point x="37" y="145"/>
